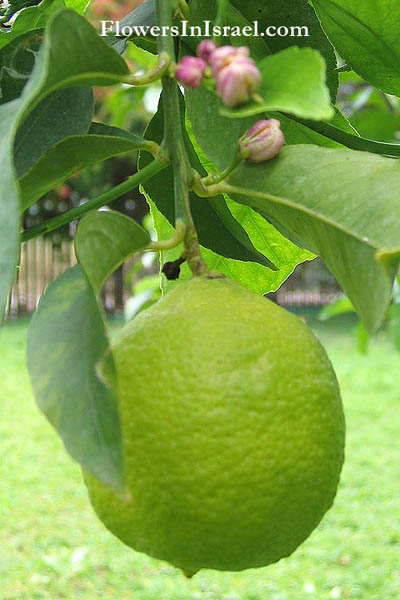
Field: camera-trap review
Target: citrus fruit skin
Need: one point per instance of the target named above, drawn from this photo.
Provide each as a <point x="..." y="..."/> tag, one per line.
<point x="232" y="426"/>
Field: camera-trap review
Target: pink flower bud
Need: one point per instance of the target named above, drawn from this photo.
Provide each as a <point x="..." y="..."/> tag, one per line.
<point x="190" y="71"/>
<point x="238" y="81"/>
<point x="262" y="142"/>
<point x="205" y="49"/>
<point x="222" y="57"/>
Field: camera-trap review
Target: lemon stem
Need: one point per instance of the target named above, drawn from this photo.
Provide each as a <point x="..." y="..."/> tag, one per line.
<point x="193" y="254"/>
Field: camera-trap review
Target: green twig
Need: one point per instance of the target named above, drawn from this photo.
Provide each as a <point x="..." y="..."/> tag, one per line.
<point x="174" y="141"/>
<point x="180" y="230"/>
<point x="163" y="64"/>
<point x="140" y="177"/>
<point x="214" y="178"/>
<point x="184" y="9"/>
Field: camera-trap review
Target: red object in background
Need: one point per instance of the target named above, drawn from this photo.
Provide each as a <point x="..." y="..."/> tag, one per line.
<point x="64" y="192"/>
<point x="113" y="9"/>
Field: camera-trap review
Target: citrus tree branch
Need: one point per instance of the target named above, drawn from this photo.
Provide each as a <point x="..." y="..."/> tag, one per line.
<point x="174" y="141"/>
<point x="173" y="134"/>
<point x="70" y="215"/>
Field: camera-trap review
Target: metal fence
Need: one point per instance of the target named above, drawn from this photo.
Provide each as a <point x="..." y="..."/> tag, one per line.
<point x="43" y="259"/>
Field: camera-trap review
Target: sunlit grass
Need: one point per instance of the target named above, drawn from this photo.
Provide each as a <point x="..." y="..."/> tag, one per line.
<point x="52" y="545"/>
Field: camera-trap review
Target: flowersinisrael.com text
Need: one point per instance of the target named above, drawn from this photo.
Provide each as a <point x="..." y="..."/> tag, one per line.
<point x="206" y="30"/>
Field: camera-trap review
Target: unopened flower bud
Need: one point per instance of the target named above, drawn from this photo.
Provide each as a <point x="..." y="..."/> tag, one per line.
<point x="190" y="71"/>
<point x="223" y="56"/>
<point x="205" y="49"/>
<point x="262" y="142"/>
<point x="238" y="81"/>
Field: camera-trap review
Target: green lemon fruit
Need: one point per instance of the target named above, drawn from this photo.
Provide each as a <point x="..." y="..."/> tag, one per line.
<point x="232" y="426"/>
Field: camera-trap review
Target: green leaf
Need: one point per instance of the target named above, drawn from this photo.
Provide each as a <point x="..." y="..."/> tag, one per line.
<point x="79" y="6"/>
<point x="216" y="227"/>
<point x="63" y="113"/>
<point x="377" y="124"/>
<point x="72" y="154"/>
<point x="351" y="221"/>
<point x="217" y="135"/>
<point x="34" y="17"/>
<point x="73" y="55"/>
<point x="66" y="342"/>
<point x="367" y="37"/>
<point x="293" y="81"/>
<point x="103" y="241"/>
<point x="339" y="307"/>
<point x="291" y="13"/>
<point x="17" y="60"/>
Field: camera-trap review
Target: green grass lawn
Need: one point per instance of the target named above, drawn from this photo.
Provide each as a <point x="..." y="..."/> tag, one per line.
<point x="52" y="545"/>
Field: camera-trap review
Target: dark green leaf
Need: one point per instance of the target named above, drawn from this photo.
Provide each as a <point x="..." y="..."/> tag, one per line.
<point x="217" y="135"/>
<point x="103" y="241"/>
<point x="367" y="37"/>
<point x="202" y="11"/>
<point x="73" y="55"/>
<point x="351" y="221"/>
<point x="17" y="60"/>
<point x="291" y="13"/>
<point x="292" y="81"/>
<point x="72" y="154"/>
<point x="63" y="113"/>
<point x="66" y="342"/>
<point x="16" y="5"/>
<point x="34" y="17"/>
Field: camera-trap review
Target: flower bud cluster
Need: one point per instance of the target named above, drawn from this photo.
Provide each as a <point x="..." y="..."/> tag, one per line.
<point x="236" y="74"/>
<point x="237" y="79"/>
